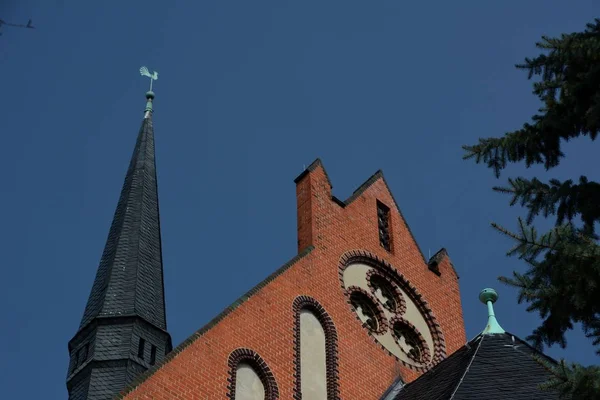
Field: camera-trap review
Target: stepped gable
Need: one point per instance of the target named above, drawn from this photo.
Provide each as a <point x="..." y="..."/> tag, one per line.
<point x="263" y="325"/>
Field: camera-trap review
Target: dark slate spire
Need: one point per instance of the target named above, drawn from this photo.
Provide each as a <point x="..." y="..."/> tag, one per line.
<point x="123" y="329"/>
<point x="129" y="280"/>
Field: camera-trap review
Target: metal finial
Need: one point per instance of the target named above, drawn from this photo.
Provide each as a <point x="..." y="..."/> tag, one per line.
<point x="149" y="94"/>
<point x="490" y="296"/>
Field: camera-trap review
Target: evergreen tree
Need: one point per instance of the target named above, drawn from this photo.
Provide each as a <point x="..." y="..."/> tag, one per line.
<point x="562" y="280"/>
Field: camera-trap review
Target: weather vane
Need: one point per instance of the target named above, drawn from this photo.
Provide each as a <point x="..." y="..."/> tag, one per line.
<point x="153" y="76"/>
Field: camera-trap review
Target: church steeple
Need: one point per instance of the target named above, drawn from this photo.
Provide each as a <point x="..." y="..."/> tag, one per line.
<point x="123" y="329"/>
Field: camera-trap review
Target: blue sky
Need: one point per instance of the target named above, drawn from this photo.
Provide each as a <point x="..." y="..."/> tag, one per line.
<point x="250" y="92"/>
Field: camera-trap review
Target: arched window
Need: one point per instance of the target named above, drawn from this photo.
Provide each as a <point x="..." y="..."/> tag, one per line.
<point x="248" y="385"/>
<point x="313" y="363"/>
<point x="250" y="377"/>
<point x="316" y="351"/>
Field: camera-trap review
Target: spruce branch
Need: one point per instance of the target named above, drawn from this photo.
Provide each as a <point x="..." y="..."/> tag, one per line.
<point x="561" y="283"/>
<point x="571" y="381"/>
<point x="570" y="93"/>
<point x="563" y="199"/>
<point x="528" y="246"/>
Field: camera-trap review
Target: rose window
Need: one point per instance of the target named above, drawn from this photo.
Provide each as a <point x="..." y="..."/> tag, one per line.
<point x="393" y="314"/>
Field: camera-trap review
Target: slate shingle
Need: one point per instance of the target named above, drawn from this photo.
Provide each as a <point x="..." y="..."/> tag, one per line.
<point x="130" y="275"/>
<point x="492" y="367"/>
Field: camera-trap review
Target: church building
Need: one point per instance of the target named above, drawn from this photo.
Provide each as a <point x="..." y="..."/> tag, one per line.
<point x="357" y="313"/>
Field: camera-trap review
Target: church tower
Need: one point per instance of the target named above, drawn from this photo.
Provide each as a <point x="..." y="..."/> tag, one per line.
<point x="123" y="331"/>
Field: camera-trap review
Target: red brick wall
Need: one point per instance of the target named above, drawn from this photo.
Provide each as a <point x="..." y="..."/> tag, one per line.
<point x="265" y="322"/>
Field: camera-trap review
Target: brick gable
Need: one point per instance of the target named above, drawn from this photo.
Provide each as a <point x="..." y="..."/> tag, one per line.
<point x="263" y="321"/>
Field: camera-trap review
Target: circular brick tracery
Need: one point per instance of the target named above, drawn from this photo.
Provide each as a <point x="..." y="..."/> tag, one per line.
<point x="378" y="281"/>
<point x="365" y="305"/>
<point x="410" y="340"/>
<point x="397" y="281"/>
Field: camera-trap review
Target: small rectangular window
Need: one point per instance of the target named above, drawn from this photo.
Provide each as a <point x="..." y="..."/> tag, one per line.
<point x="383" y="221"/>
<point x="84" y="355"/>
<point x="77" y="359"/>
<point x="141" y="346"/>
<point x="74" y="364"/>
<point x="152" y="355"/>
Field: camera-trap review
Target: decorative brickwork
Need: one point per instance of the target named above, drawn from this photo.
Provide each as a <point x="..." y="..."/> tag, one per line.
<point x="424" y="354"/>
<point x="383" y="218"/>
<point x="398" y="298"/>
<point x="385" y="269"/>
<point x="331" y="339"/>
<point x="260" y="367"/>
<point x="375" y="309"/>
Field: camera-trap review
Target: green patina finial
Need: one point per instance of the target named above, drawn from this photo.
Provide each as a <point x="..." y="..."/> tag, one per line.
<point x="149" y="94"/>
<point x="489" y="297"/>
<point x="149" y="99"/>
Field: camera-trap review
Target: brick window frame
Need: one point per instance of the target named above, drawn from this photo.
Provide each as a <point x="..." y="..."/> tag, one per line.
<point x="250" y="357"/>
<point x="438" y="353"/>
<point x="331" y="346"/>
<point x="382" y="322"/>
<point x="384" y="226"/>
<point x="398" y="296"/>
<point x="426" y="356"/>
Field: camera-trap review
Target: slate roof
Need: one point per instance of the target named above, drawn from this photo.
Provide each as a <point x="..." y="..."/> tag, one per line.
<point x="491" y="367"/>
<point x="129" y="280"/>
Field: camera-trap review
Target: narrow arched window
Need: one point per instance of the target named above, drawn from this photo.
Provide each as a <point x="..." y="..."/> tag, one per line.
<point x="248" y="385"/>
<point x="250" y="377"/>
<point x="316" y="351"/>
<point x="313" y="363"/>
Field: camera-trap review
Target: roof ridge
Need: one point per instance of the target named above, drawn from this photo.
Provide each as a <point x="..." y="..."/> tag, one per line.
<point x="532" y="348"/>
<point x="462" y="378"/>
<point x="311" y="168"/>
<point x="434" y="261"/>
<point x="364" y="186"/>
<point x="146" y="129"/>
